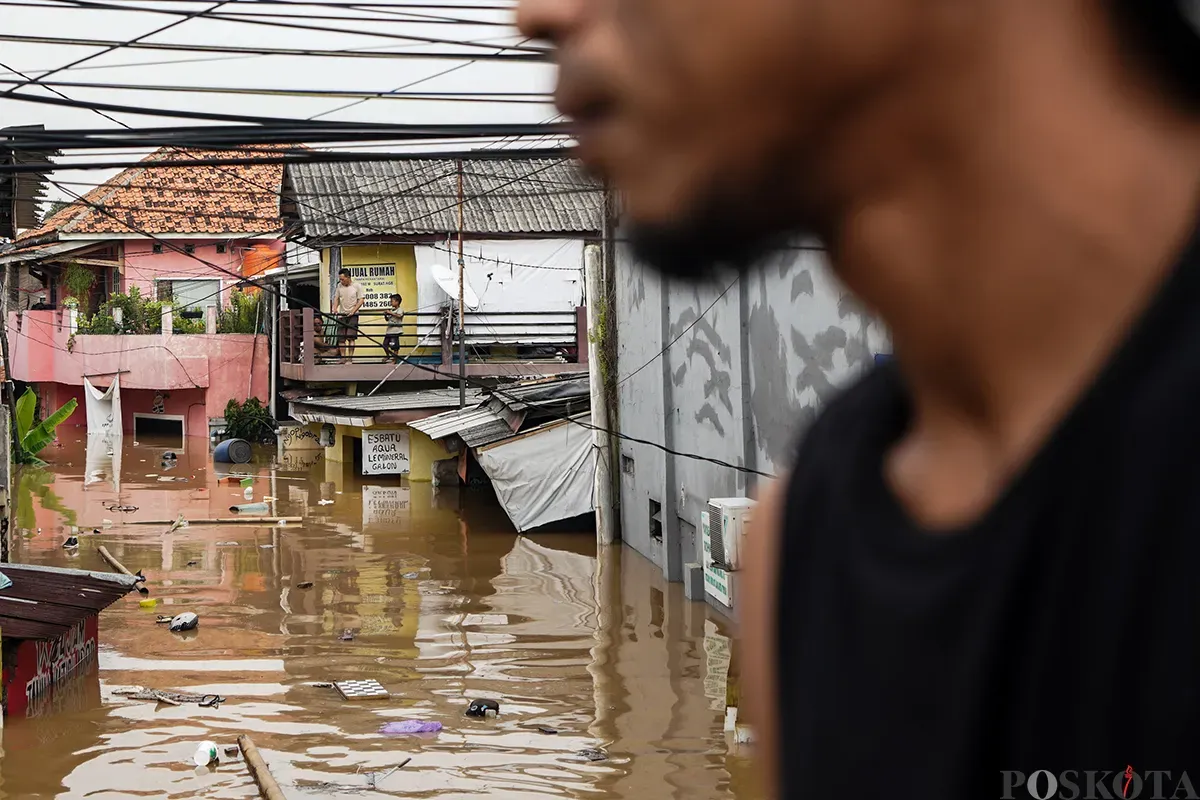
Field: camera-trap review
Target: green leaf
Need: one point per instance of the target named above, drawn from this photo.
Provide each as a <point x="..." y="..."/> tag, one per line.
<point x="36" y="440"/>
<point x="23" y="417"/>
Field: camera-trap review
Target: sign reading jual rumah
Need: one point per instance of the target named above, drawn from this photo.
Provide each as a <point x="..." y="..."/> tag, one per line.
<point x="1121" y="784"/>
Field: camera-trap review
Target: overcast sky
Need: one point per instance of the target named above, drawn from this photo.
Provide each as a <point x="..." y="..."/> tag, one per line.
<point x="129" y="67"/>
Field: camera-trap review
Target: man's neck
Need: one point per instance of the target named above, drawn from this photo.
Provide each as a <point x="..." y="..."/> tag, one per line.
<point x="1008" y="264"/>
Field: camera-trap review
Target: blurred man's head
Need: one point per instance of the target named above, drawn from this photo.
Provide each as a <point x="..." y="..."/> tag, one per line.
<point x="731" y="124"/>
<point x="344" y="277"/>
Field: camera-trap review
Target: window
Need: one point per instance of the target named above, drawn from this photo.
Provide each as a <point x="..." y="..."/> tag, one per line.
<point x="156" y="247"/>
<point x="190" y="294"/>
<point x="221" y="248"/>
<point x="189" y="249"/>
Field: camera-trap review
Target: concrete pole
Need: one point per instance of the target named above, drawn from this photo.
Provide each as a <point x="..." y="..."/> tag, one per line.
<point x="602" y="493"/>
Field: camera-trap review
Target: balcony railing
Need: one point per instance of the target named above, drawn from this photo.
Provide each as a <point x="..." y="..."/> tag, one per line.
<point x="495" y="344"/>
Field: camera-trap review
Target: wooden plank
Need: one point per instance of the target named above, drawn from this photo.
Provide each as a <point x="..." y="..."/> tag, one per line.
<point x="267" y="787"/>
<point x="221" y="521"/>
<point x="112" y="562"/>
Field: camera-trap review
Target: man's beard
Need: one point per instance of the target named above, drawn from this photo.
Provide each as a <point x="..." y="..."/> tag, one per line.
<point x="722" y="233"/>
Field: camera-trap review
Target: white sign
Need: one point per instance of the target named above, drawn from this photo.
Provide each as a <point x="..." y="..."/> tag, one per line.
<point x="385" y="504"/>
<point x="385" y="453"/>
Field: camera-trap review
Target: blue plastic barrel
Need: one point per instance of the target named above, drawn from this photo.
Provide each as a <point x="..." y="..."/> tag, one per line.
<point x="233" y="451"/>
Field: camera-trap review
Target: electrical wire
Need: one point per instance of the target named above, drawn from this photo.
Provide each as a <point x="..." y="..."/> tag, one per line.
<point x="116" y="45"/>
<point x="498" y="391"/>
<point x="529" y="56"/>
<point x="682" y="333"/>
<point x="510" y="98"/>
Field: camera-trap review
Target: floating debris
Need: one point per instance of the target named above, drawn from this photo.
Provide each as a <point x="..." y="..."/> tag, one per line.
<point x="410" y="726"/>
<point x="71" y="543"/>
<point x="233" y="751"/>
<point x="324" y="502"/>
<point x="347" y="636"/>
<point x="304" y="585"/>
<point x="206" y="754"/>
<point x="366" y="689"/>
<point x="187" y="621"/>
<point x="483" y="709"/>
<point x="227" y="544"/>
<point x="593" y="754"/>
<point x="193" y="563"/>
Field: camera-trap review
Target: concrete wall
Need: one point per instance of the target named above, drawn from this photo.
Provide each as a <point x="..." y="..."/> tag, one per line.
<point x="219" y="367"/>
<point x="142" y="265"/>
<point x="756" y="357"/>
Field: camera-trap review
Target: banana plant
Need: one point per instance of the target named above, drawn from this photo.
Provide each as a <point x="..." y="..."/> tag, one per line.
<point x="33" y="490"/>
<point x="31" y="439"/>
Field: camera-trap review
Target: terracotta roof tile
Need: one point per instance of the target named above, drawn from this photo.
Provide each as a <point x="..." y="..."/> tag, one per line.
<point x="148" y="198"/>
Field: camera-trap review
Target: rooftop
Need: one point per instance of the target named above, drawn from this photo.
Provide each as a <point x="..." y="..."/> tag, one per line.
<point x="45" y="602"/>
<point x="416" y="197"/>
<point x="168" y="193"/>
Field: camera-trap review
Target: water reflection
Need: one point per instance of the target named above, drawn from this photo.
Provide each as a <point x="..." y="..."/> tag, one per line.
<point x="445" y="604"/>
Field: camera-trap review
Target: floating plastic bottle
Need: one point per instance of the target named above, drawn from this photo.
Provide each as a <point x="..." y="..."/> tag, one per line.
<point x="206" y="753"/>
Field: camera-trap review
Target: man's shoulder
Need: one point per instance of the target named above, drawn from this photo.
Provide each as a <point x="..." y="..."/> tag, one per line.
<point x="862" y="413"/>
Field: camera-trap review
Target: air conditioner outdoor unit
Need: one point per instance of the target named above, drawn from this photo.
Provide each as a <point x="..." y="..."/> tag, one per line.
<point x="723" y="525"/>
<point x="727" y="520"/>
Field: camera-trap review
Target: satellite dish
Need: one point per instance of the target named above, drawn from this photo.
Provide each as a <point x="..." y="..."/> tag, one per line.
<point x="447" y="278"/>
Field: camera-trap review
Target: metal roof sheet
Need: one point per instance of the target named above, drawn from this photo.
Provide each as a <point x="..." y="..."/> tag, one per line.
<point x="522" y="396"/>
<point x="476" y="426"/>
<point x="400" y="401"/>
<point x="414" y="197"/>
<point x="44" y="602"/>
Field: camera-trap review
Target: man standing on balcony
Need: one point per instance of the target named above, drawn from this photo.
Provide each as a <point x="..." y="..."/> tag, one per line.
<point x="347" y="300"/>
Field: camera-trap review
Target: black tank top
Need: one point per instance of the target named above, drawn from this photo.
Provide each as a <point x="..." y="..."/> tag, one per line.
<point x="1060" y="633"/>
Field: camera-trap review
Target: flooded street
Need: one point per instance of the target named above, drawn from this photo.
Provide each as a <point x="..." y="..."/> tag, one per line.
<point x="445" y="605"/>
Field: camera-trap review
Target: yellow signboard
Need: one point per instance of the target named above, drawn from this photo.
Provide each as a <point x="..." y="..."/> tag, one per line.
<point x="378" y="282"/>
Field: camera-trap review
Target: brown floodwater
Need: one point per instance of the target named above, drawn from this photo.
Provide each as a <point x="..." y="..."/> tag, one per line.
<point x="446" y="604"/>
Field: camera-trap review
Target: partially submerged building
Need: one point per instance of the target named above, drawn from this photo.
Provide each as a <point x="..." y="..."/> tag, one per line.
<point x="49" y="631"/>
<point x="184" y="236"/>
<point x="522" y="226"/>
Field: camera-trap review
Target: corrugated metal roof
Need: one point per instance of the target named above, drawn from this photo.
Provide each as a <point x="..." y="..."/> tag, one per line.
<point x="41" y="251"/>
<point x="413" y="197"/>
<point x="400" y="401"/>
<point x="522" y="396"/>
<point x="451" y="422"/>
<point x="476" y="426"/>
<point x="487" y="433"/>
<point x="44" y="602"/>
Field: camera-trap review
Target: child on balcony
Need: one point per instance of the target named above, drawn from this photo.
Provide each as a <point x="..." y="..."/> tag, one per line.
<point x="395" y="328"/>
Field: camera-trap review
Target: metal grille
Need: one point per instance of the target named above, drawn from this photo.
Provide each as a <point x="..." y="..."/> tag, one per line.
<point x="716" y="531"/>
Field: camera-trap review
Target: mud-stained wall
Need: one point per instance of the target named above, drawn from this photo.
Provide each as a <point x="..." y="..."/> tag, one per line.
<point x="749" y="362"/>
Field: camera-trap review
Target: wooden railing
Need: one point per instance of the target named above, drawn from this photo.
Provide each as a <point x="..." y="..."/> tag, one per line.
<point x="310" y="339"/>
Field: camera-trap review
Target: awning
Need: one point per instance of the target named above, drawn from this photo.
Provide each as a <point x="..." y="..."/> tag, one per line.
<point x="41" y="252"/>
<point x="544" y="475"/>
<point x="44" y="602"/>
<point x="476" y="426"/>
<point x="360" y="412"/>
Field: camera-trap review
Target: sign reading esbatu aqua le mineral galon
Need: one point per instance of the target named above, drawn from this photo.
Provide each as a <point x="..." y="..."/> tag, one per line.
<point x="385" y="453"/>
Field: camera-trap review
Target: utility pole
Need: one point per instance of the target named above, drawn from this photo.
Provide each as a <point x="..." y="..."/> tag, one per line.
<point x="462" y="335"/>
<point x="599" y="366"/>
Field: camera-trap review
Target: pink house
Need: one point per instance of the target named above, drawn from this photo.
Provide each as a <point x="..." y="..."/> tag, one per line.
<point x="184" y="234"/>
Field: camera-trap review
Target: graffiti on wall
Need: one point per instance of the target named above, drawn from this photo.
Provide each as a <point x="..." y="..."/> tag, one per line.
<point x="42" y="666"/>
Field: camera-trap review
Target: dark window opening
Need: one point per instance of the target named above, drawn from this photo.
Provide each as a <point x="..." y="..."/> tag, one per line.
<point x="220" y="248"/>
<point x="656" y="520"/>
<point x="156" y="247"/>
<point x="189" y="249"/>
<point x="158" y="430"/>
<point x="626" y="464"/>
